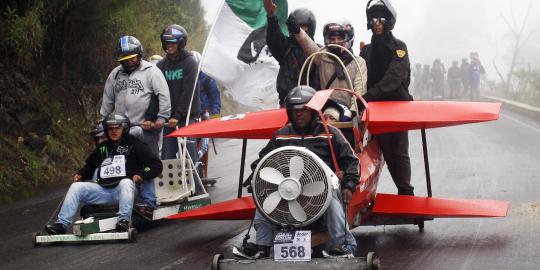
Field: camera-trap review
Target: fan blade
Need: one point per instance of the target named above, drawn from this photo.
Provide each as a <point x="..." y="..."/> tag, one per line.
<point x="271" y="175"/>
<point x="271" y="202"/>
<point x="313" y="189"/>
<point x="297" y="211"/>
<point x="296" y="167"/>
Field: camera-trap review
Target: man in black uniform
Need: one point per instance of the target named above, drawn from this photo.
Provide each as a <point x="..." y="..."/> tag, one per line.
<point x="287" y="51"/>
<point x="388" y="80"/>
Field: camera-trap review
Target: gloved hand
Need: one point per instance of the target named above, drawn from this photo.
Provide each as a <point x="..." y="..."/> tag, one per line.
<point x="292" y="26"/>
<point x="347" y="195"/>
<point x="247" y="183"/>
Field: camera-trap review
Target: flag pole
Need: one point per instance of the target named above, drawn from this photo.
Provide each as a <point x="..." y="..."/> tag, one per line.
<point x="203" y="54"/>
<point x="182" y="142"/>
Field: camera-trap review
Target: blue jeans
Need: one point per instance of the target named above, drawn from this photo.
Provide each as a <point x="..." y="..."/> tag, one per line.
<point x="334" y="218"/>
<point x="92" y="193"/>
<point x="147" y="193"/>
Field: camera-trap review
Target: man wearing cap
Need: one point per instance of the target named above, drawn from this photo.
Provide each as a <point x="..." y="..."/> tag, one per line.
<point x="331" y="115"/>
<point x="389" y="75"/>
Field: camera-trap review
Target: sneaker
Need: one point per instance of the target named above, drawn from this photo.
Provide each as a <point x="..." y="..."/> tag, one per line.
<point x="252" y="251"/>
<point x="122" y="226"/>
<point x="144" y="210"/>
<point x="57" y="228"/>
<point x="339" y="251"/>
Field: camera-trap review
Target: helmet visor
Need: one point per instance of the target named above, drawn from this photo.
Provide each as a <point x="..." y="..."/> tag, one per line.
<point x="126" y="57"/>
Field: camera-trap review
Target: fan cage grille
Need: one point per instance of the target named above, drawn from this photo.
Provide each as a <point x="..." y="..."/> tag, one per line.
<point x="313" y="172"/>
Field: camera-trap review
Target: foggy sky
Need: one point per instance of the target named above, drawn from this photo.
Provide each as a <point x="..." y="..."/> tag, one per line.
<point x="445" y="29"/>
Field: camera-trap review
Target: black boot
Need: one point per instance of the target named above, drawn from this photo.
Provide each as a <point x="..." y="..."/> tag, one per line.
<point x="122" y="226"/>
<point x="57" y="228"/>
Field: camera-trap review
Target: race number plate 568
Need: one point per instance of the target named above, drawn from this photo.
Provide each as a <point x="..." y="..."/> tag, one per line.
<point x="292" y="246"/>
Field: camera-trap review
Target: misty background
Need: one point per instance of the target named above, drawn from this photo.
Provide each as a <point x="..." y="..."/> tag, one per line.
<point x="443" y="29"/>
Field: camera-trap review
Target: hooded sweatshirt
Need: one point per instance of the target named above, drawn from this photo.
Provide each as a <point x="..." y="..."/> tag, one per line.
<point x="130" y="94"/>
<point x="181" y="74"/>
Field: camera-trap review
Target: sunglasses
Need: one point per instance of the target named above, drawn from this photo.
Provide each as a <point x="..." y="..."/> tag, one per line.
<point x="381" y="20"/>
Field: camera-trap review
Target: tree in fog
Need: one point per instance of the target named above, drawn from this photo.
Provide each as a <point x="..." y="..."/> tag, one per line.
<point x="519" y="38"/>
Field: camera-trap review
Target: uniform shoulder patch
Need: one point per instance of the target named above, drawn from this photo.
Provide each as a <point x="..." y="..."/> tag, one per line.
<point x="401" y="53"/>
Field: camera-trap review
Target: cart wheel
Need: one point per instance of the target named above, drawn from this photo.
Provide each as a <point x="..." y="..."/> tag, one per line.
<point x="34" y="239"/>
<point x="372" y="261"/>
<point x="215" y="261"/>
<point x="132" y="235"/>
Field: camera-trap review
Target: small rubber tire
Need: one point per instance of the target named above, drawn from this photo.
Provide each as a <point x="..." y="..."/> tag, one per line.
<point x="34" y="239"/>
<point x="132" y="235"/>
<point x="215" y="261"/>
<point x="372" y="261"/>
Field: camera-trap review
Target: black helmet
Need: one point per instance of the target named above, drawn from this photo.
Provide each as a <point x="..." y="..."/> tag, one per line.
<point x="381" y="9"/>
<point x="341" y="28"/>
<point x="174" y="33"/>
<point x="97" y="131"/>
<point x="128" y="47"/>
<point x="298" y="97"/>
<point x="304" y="16"/>
<point x="116" y="119"/>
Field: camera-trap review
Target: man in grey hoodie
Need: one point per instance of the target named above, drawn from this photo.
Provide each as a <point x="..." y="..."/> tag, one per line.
<point x="128" y="90"/>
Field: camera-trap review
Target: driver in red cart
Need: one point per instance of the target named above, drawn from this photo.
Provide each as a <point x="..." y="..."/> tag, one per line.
<point x="306" y="129"/>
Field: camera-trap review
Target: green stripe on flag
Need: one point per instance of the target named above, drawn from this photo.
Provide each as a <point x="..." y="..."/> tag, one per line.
<point x="252" y="12"/>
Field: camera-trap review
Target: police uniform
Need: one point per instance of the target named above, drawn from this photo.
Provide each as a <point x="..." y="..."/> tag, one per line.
<point x="388" y="80"/>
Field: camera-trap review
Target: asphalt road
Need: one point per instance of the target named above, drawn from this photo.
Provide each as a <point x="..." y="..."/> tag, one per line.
<point x="497" y="160"/>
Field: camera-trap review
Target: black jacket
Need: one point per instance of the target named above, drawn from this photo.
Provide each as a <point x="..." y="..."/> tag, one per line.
<point x="291" y="57"/>
<point x="139" y="160"/>
<point x="389" y="71"/>
<point x="316" y="140"/>
<point x="180" y="75"/>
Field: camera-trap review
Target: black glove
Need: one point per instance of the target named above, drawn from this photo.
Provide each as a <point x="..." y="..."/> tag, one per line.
<point x="292" y="26"/>
<point x="348" y="183"/>
<point x="247" y="183"/>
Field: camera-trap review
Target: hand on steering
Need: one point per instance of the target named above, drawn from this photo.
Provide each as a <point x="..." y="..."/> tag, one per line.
<point x="147" y="125"/>
<point x="159" y="124"/>
<point x="137" y="179"/>
<point x="172" y="122"/>
<point x="347" y="195"/>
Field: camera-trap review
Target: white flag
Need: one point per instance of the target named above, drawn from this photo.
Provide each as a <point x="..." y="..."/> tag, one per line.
<point x="236" y="54"/>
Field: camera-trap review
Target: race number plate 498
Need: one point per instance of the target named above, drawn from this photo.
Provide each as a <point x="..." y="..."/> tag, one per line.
<point x="292" y="246"/>
<point x="115" y="167"/>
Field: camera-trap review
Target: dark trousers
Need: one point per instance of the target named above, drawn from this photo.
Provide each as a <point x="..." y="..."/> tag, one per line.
<point x="395" y="148"/>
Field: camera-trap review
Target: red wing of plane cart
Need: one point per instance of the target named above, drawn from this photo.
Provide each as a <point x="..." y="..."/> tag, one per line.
<point x="367" y="206"/>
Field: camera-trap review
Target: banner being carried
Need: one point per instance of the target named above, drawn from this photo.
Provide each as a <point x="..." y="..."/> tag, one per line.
<point x="236" y="54"/>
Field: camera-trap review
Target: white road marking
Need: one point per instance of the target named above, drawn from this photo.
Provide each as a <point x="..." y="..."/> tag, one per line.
<point x="521" y="122"/>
